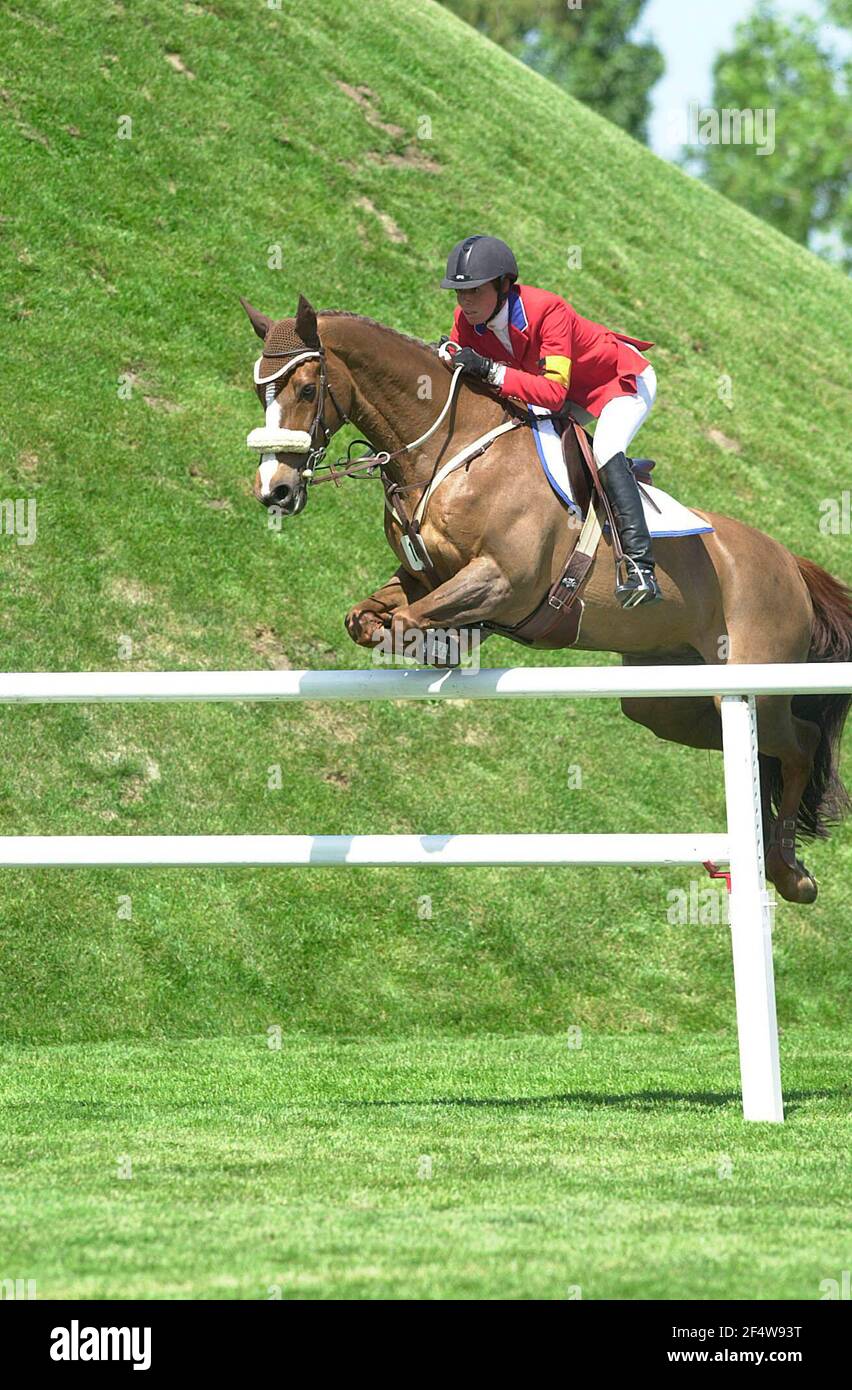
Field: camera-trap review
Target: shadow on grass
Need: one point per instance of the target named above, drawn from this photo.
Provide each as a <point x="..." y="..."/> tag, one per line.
<point x="636" y="1102"/>
<point x="639" y="1100"/>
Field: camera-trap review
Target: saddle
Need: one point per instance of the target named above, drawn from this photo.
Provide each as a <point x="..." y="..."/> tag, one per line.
<point x="556" y="620"/>
<point x="579" y="473"/>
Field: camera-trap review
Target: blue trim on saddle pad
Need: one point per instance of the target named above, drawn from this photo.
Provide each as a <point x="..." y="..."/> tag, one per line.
<point x="537" y="424"/>
<point x="693" y="531"/>
<point x="543" y="427"/>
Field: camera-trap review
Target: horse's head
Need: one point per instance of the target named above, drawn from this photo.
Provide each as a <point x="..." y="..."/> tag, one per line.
<point x="291" y="380"/>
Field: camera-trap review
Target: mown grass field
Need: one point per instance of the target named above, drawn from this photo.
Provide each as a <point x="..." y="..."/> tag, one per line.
<point x="321" y="151"/>
<point x="430" y="1168"/>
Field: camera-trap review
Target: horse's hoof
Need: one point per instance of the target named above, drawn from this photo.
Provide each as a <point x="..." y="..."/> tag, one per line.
<point x="362" y="626"/>
<point x="796" y="885"/>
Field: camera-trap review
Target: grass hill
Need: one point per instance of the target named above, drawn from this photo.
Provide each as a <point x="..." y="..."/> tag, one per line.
<point x="349" y="146"/>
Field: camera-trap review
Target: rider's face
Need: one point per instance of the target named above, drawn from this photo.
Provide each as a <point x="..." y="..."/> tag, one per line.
<point x="479" y="304"/>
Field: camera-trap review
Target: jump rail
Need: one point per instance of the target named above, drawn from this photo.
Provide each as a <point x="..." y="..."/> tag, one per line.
<point x="741" y="848"/>
<point x="529" y="682"/>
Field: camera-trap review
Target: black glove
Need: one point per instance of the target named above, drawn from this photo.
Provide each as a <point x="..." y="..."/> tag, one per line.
<point x="473" y="363"/>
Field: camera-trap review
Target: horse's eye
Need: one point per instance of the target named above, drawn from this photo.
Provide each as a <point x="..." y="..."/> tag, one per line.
<point x="307" y="393"/>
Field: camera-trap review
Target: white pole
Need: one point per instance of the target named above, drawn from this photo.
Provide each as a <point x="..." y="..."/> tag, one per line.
<point x="364" y="850"/>
<point x="751" y="921"/>
<point x="532" y="682"/>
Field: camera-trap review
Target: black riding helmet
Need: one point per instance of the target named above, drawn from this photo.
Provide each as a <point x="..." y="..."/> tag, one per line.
<point x="475" y="261"/>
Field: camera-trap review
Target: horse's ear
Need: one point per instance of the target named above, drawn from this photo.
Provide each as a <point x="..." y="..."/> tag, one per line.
<point x="306" y="323"/>
<point x="261" y="323"/>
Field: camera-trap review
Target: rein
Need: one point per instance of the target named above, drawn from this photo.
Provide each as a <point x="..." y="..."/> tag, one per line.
<point x="367" y="464"/>
<point x="272" y="442"/>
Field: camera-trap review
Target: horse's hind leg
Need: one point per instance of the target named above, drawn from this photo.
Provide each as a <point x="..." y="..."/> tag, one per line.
<point x="696" y="722"/>
<point x="794" y="742"/>
<point x="768" y="775"/>
<point x="692" y="720"/>
<point x="784" y="736"/>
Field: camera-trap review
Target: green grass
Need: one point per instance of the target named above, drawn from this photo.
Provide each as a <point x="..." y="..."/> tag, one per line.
<point x="432" y="1168"/>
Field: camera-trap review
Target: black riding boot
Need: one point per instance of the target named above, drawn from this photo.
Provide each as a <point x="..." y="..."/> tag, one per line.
<point x="637" y="583"/>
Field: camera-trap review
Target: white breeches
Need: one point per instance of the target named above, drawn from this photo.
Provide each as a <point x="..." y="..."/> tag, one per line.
<point x="620" y="418"/>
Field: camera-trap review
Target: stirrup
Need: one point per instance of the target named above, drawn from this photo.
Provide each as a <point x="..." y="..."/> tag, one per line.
<point x="636" y="584"/>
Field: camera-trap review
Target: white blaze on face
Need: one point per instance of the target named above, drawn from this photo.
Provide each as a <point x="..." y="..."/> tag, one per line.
<point x="268" y="462"/>
<point x="267" y="470"/>
<point x="273" y="409"/>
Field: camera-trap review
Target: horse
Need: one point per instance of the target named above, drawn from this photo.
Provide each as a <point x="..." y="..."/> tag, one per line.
<point x="497" y="537"/>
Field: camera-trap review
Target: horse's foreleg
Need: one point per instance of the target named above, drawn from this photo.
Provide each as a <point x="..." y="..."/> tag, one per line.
<point x="474" y="595"/>
<point x="373" y="613"/>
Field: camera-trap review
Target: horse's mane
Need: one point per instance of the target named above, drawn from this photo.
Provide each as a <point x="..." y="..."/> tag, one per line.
<point x="374" y="323"/>
<point x="509" y="407"/>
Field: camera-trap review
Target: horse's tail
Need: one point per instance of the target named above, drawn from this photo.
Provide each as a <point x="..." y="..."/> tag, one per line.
<point x="826" y="800"/>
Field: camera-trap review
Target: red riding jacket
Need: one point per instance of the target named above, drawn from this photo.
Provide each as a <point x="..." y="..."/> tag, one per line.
<point x="557" y="355"/>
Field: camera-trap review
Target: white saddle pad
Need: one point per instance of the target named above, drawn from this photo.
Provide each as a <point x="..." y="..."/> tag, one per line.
<point x="665" y="516"/>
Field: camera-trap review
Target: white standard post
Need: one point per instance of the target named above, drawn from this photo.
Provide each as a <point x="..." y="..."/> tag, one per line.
<point x="751" y="921"/>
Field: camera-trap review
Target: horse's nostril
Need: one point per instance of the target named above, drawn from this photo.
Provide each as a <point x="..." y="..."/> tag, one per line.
<point x="281" y="493"/>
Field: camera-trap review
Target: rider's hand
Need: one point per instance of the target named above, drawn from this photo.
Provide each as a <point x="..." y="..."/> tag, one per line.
<point x="447" y="349"/>
<point x="473" y="363"/>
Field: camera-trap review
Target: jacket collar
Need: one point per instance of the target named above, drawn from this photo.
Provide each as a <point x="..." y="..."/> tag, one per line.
<point x="517" y="323"/>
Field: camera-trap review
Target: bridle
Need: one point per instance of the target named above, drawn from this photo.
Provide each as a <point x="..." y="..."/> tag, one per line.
<point x="271" y="441"/>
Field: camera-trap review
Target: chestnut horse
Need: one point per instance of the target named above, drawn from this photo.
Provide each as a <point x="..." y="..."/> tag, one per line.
<point x="498" y="537"/>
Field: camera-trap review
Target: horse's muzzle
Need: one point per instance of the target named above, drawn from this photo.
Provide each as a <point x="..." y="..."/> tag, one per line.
<point x="289" y="498"/>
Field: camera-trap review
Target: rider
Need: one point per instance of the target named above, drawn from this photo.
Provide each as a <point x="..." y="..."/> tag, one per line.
<point x="537" y="348"/>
